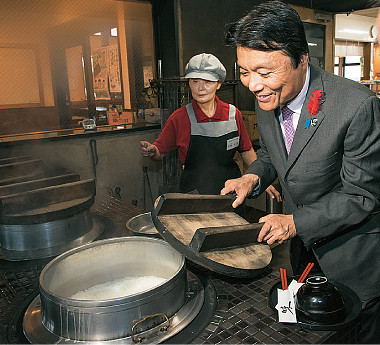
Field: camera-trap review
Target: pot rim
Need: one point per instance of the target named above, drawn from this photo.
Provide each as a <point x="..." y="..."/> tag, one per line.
<point x="122" y="299"/>
<point x="147" y="216"/>
<point x="141" y="215"/>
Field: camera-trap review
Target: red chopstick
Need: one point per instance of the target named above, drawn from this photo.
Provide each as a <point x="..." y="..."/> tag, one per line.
<point x="305" y="272"/>
<point x="284" y="280"/>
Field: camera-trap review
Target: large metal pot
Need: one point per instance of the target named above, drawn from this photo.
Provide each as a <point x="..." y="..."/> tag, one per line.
<point x="105" y="261"/>
<point x="45" y="217"/>
<point x="35" y="241"/>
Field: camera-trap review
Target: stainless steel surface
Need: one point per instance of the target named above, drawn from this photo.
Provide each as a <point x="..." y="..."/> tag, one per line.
<point x="105" y="261"/>
<point x="36" y="333"/>
<point x="142" y="225"/>
<point x="33" y="241"/>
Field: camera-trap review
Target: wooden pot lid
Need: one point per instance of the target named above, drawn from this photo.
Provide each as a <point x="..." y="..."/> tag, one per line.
<point x="206" y="230"/>
<point x="45" y="200"/>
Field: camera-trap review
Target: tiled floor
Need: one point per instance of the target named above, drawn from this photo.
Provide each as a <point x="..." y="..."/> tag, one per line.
<point x="243" y="316"/>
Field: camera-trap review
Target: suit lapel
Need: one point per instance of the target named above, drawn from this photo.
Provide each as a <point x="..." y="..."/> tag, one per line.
<point x="303" y="134"/>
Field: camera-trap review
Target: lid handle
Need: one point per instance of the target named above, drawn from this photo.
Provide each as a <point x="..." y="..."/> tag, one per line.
<point x="210" y="238"/>
<point x="179" y="203"/>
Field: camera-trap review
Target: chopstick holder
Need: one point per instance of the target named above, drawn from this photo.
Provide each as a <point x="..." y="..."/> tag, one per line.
<point x="286" y="296"/>
<point x="285" y="305"/>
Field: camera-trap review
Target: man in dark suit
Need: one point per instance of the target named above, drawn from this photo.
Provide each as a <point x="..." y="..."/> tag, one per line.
<point x="320" y="136"/>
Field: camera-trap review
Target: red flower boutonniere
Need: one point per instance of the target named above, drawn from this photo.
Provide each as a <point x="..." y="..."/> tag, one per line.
<point x="314" y="102"/>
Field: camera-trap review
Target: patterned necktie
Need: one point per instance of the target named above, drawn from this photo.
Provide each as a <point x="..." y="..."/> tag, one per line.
<point x="287" y="121"/>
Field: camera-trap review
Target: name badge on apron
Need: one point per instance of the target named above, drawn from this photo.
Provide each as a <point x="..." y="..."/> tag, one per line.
<point x="232" y="143"/>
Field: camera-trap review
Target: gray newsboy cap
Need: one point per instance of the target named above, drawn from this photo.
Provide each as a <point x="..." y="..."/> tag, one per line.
<point x="205" y="66"/>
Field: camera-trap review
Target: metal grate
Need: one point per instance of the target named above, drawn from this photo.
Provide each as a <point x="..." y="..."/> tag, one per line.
<point x="14" y="287"/>
<point x="17" y="291"/>
<point x="113" y="210"/>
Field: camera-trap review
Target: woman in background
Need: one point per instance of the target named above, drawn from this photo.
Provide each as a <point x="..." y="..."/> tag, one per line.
<point x="207" y="133"/>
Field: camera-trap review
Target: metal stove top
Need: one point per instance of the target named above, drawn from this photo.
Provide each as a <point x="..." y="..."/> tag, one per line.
<point x="240" y="315"/>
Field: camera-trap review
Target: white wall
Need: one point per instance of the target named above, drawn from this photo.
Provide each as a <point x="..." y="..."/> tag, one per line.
<point x="354" y="27"/>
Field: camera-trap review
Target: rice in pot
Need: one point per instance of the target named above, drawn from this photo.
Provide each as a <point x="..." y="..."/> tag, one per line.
<point x="119" y="288"/>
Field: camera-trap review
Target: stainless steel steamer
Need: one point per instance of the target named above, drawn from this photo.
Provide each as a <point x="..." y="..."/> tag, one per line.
<point x="34" y="241"/>
<point x="43" y="216"/>
<point x="105" y="261"/>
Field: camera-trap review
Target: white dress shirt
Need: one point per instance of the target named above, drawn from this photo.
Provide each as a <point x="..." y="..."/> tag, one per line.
<point x="296" y="107"/>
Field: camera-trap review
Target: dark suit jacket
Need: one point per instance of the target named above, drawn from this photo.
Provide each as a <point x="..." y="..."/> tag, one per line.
<point x="331" y="179"/>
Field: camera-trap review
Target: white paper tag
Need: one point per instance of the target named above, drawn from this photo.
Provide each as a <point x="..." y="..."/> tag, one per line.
<point x="232" y="143"/>
<point x="294" y="286"/>
<point x="286" y="303"/>
<point x="285" y="306"/>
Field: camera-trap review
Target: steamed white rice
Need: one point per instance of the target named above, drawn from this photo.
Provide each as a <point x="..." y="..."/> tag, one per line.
<point x="119" y="288"/>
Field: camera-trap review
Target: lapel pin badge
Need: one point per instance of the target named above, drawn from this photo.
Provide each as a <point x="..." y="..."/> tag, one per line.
<point x="313" y="106"/>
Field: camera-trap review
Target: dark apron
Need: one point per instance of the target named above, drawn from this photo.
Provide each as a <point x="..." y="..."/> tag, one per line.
<point x="209" y="161"/>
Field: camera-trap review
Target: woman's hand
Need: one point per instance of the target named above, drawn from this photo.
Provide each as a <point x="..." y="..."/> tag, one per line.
<point x="147" y="149"/>
<point x="274" y="193"/>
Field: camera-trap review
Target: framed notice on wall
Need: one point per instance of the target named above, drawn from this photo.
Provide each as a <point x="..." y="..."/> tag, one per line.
<point x="113" y="68"/>
<point x="106" y="71"/>
<point x="100" y="73"/>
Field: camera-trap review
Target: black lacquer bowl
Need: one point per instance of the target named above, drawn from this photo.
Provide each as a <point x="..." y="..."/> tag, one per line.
<point x="319" y="301"/>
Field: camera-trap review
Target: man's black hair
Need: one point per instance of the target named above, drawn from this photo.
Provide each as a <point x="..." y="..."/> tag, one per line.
<point x="272" y="25"/>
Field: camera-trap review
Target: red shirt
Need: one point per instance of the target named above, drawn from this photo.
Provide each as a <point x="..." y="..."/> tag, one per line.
<point x="177" y="130"/>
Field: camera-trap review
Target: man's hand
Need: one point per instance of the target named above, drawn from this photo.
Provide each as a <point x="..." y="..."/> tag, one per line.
<point x="274" y="193"/>
<point x="241" y="186"/>
<point x="277" y="228"/>
<point x="147" y="149"/>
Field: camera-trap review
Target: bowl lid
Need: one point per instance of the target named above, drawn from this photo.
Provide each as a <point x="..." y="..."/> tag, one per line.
<point x="206" y="230"/>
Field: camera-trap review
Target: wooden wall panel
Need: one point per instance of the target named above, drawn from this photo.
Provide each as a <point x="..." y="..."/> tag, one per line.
<point x="24" y="120"/>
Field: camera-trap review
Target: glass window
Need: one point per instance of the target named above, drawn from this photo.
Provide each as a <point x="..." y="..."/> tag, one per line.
<point x="351" y="67"/>
<point x="68" y="60"/>
<point x="352" y="72"/>
<point x="353" y="59"/>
